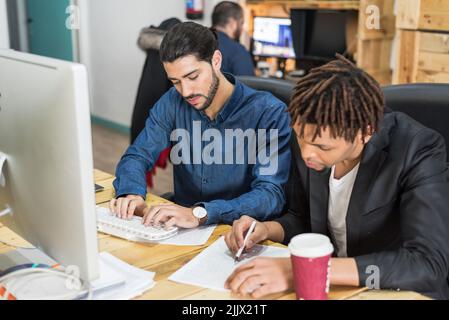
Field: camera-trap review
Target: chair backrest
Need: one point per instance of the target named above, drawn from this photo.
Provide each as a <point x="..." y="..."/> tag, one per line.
<point x="427" y="103"/>
<point x="281" y="89"/>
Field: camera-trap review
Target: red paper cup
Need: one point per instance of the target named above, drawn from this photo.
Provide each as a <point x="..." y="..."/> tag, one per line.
<point x="310" y="254"/>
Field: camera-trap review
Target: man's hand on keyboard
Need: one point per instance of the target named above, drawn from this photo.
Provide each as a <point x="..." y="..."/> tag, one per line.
<point x="170" y="215"/>
<point x="128" y="206"/>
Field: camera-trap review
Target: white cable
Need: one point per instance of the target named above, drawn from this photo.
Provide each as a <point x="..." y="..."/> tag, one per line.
<point x="26" y="275"/>
<point x="14" y="289"/>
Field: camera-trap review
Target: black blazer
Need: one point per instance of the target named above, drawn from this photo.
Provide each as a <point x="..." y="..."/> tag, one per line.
<point x="398" y="215"/>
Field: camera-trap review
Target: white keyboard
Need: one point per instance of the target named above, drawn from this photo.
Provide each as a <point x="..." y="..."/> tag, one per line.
<point x="132" y="230"/>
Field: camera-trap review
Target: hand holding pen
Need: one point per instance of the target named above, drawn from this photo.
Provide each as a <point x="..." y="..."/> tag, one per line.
<point x="235" y="239"/>
<point x="250" y="231"/>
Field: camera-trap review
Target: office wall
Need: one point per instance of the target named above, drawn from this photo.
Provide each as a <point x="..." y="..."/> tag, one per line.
<point x="4" y="36"/>
<point x="107" y="36"/>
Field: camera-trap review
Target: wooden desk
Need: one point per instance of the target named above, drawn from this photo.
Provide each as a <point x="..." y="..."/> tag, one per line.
<point x="105" y="180"/>
<point x="166" y="259"/>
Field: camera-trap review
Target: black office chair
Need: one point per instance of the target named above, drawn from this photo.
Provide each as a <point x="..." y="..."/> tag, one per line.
<point x="427" y="103"/>
<point x="281" y="89"/>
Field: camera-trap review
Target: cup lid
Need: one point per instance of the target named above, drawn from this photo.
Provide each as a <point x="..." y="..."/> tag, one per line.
<point x="310" y="245"/>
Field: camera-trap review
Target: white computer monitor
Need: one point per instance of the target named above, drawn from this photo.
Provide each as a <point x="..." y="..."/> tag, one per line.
<point x="272" y="37"/>
<point x="47" y="191"/>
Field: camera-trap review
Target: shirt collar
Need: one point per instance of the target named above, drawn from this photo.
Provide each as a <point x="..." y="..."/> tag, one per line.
<point x="234" y="101"/>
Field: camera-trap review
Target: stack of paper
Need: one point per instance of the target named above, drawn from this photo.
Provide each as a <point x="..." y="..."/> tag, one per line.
<point x="119" y="280"/>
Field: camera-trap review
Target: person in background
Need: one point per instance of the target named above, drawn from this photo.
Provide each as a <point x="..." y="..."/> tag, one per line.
<point x="228" y="20"/>
<point x="153" y="84"/>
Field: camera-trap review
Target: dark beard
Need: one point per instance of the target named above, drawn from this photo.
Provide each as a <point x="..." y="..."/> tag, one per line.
<point x="212" y="92"/>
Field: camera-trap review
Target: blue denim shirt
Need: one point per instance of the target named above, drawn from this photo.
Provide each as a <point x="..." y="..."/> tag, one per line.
<point x="227" y="191"/>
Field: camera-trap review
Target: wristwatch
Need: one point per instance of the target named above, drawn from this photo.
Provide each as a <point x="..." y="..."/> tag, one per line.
<point x="200" y="213"/>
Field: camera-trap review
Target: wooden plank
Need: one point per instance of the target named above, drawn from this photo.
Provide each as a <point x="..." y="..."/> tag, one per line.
<point x="207" y="294"/>
<point x="105" y="180"/>
<point x="104" y="196"/>
<point x="434" y="21"/>
<point x="375" y="54"/>
<point x="384" y="77"/>
<point x="389" y="295"/>
<point x="11" y="238"/>
<point x="430" y="61"/>
<point x="421" y="57"/>
<point x="423" y="15"/>
<point x="406" y="57"/>
<point x="310" y="4"/>
<point x="101" y="175"/>
<point x="335" y="293"/>
<point x="432" y="77"/>
<point x="169" y="290"/>
<point x="407" y="14"/>
<point x="434" y="42"/>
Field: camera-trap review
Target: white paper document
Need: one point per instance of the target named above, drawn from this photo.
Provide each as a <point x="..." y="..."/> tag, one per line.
<point x="214" y="265"/>
<point x="129" y="281"/>
<point x="190" y="237"/>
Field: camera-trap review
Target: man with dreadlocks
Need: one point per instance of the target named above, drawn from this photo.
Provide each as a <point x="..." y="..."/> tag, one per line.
<point x="375" y="181"/>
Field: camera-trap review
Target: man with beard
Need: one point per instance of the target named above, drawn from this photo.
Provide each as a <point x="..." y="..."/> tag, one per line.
<point x="228" y="20"/>
<point x="204" y="106"/>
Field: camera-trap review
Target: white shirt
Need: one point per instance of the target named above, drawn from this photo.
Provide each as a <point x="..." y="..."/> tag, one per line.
<point x="340" y="191"/>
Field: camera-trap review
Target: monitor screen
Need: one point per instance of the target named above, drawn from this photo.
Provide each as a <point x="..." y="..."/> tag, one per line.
<point x="273" y="37"/>
<point x="319" y="34"/>
<point x="326" y="34"/>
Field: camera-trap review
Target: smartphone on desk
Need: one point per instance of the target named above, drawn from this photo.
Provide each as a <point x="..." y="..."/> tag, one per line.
<point x="98" y="188"/>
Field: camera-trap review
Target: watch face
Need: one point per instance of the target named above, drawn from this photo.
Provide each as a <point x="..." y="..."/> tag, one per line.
<point x="199" y="212"/>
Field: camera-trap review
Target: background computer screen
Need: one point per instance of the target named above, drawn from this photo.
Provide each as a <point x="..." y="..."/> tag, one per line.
<point x="272" y="37"/>
<point x="319" y="34"/>
<point x="326" y="34"/>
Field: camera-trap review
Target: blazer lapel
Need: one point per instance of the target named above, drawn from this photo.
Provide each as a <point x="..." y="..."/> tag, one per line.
<point x="318" y="187"/>
<point x="372" y="161"/>
<point x="319" y="197"/>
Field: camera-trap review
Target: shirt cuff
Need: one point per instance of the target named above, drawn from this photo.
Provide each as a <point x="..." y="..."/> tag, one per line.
<point x="213" y="212"/>
<point x="136" y="192"/>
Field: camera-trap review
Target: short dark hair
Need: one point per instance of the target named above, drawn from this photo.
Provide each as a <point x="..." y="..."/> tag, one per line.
<point x="225" y="10"/>
<point x="188" y="38"/>
<point x="339" y="96"/>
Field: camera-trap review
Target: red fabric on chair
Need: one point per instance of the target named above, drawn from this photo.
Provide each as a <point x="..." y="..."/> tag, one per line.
<point x="161" y="163"/>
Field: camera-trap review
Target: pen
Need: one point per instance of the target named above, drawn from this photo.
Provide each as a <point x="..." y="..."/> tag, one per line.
<point x="250" y="230"/>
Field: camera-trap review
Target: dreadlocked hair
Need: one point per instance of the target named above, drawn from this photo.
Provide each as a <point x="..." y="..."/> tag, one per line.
<point x="340" y="97"/>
